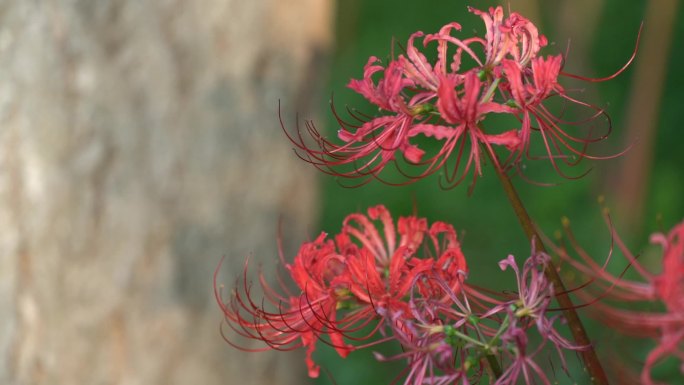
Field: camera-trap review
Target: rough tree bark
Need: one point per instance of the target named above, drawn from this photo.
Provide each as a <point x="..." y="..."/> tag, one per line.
<point x="139" y="143"/>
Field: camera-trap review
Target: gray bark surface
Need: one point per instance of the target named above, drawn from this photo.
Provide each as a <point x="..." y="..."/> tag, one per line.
<point x="139" y="143"/>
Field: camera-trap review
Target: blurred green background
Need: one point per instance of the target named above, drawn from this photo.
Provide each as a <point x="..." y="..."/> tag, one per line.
<point x="643" y="189"/>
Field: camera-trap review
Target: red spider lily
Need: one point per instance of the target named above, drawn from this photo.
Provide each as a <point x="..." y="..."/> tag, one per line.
<point x="447" y="103"/>
<point x="387" y="133"/>
<point x="669" y="285"/>
<point x="369" y="146"/>
<point x="417" y="68"/>
<point x="528" y="97"/>
<point x="528" y="89"/>
<point x="516" y="36"/>
<point x="296" y="320"/>
<point x="406" y="280"/>
<point x="497" y="41"/>
<point x="623" y="295"/>
<point x="464" y="114"/>
<point x="360" y="277"/>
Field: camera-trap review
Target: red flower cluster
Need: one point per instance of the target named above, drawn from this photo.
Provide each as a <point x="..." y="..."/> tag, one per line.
<point x="345" y="283"/>
<point x="379" y="280"/>
<point x="446" y="102"/>
<point x="615" y="300"/>
<point x="406" y="282"/>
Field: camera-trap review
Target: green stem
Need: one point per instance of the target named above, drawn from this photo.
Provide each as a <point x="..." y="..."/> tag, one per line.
<point x="494" y="365"/>
<point x="486" y="348"/>
<point x="597" y="375"/>
<point x="502" y="329"/>
<point x="468" y="338"/>
<point x="491" y="359"/>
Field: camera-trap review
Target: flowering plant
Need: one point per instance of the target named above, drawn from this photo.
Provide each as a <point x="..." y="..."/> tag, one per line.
<point x="447" y="102"/>
<point x="383" y="279"/>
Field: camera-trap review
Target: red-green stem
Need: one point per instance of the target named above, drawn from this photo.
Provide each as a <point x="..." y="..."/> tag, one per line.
<point x="598" y="376"/>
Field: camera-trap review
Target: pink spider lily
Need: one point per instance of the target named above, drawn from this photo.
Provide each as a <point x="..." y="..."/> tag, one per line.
<point x="613" y="299"/>
<point x="430" y="357"/>
<point x="344" y="284"/>
<point x="523" y="365"/>
<point x="447" y="341"/>
<point x="535" y="293"/>
<point x="431" y="335"/>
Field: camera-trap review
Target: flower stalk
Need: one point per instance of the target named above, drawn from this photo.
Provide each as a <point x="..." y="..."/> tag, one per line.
<point x="494" y="365"/>
<point x="579" y="333"/>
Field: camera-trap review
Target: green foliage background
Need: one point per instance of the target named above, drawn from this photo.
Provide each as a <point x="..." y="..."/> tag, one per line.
<point x="488" y="228"/>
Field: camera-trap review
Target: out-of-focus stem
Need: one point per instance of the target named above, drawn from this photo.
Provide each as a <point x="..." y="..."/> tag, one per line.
<point x="494" y="365"/>
<point x="598" y="376"/>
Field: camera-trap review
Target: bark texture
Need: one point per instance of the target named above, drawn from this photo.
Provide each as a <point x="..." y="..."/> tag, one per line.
<point x="139" y="144"/>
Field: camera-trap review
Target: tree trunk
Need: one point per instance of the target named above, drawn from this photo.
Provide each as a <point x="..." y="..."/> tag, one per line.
<point x="139" y="143"/>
